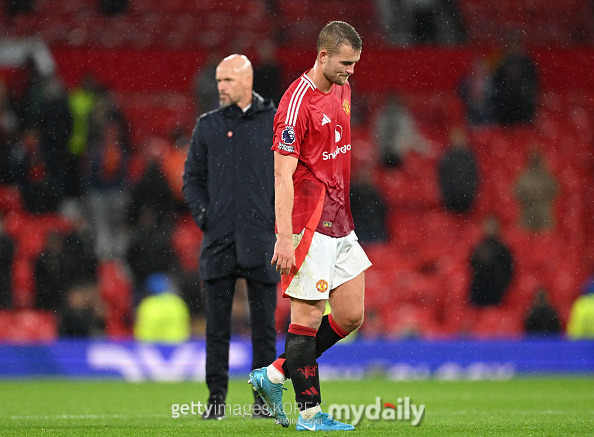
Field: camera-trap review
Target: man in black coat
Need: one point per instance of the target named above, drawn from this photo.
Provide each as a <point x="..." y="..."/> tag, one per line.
<point x="492" y="267"/>
<point x="229" y="187"/>
<point x="515" y="85"/>
<point x="7" y="250"/>
<point x="458" y="174"/>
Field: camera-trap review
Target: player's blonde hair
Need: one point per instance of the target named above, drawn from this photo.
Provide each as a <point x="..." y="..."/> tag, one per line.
<point x="337" y="33"/>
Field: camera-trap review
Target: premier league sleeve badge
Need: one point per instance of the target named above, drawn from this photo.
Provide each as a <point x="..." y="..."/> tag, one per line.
<point x="287" y="139"/>
<point x="288" y="135"/>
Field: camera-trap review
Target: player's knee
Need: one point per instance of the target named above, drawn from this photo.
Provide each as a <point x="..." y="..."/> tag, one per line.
<point x="351" y="321"/>
<point x="311" y="318"/>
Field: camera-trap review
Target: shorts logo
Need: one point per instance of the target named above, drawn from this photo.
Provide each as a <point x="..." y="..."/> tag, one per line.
<point x="327" y="224"/>
<point x="346" y="106"/>
<point x="288" y="135"/>
<point x="322" y="286"/>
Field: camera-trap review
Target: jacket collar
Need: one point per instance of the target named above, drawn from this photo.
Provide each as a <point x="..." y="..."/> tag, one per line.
<point x="258" y="105"/>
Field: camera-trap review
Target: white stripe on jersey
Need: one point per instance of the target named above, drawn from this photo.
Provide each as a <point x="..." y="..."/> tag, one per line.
<point x="291" y="106"/>
<point x="306" y="77"/>
<point x="295" y="101"/>
<point x="299" y="105"/>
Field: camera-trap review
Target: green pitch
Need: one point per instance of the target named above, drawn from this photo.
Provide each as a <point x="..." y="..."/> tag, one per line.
<point x="528" y="406"/>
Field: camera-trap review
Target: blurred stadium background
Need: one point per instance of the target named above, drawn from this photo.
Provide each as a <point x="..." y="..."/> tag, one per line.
<point x="148" y="67"/>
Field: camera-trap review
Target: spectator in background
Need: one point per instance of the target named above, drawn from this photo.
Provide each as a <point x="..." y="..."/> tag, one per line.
<point x="79" y="258"/>
<point x="397" y="133"/>
<point x="162" y="316"/>
<point x="515" y="84"/>
<point x="581" y="317"/>
<point x="492" y="267"/>
<point x="9" y="124"/>
<point x="49" y="278"/>
<point x="108" y="194"/>
<point x="368" y="208"/>
<point x="15" y="7"/>
<point x="172" y="166"/>
<point x="28" y="93"/>
<point x="54" y="124"/>
<point x="206" y="95"/>
<point x="536" y="189"/>
<point x="39" y="190"/>
<point x="7" y="248"/>
<point x="113" y="7"/>
<point x="149" y="251"/>
<point x="476" y="91"/>
<point x="107" y="113"/>
<point x="82" y="102"/>
<point x="83" y="312"/>
<point x="268" y="73"/>
<point x="542" y="318"/>
<point x="421" y="21"/>
<point x="458" y="173"/>
<point x="152" y="192"/>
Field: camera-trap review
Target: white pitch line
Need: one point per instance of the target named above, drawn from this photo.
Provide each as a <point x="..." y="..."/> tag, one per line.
<point x="84" y="416"/>
<point x="490" y="412"/>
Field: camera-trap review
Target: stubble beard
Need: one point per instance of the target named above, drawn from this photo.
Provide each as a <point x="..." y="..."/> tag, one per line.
<point x="336" y="79"/>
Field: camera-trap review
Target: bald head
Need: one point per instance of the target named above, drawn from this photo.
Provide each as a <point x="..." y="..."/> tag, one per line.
<point x="235" y="77"/>
<point x="238" y="63"/>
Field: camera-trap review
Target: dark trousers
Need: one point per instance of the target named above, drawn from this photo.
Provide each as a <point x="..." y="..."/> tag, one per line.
<point x="218" y="299"/>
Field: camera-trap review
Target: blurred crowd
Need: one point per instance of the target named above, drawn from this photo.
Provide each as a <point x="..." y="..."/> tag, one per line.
<point x="69" y="152"/>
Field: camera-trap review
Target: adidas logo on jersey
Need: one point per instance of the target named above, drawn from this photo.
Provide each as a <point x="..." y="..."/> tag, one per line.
<point x="325" y="120"/>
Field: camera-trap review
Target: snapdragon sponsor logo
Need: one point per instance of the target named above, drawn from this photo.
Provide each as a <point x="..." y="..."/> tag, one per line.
<point x="331" y="155"/>
<point x="403" y="410"/>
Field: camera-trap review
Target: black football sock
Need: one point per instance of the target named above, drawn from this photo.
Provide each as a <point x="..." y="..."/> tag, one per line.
<point x="329" y="333"/>
<point x="300" y="350"/>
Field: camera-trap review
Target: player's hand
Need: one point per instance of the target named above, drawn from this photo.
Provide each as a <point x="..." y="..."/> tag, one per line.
<point x="284" y="255"/>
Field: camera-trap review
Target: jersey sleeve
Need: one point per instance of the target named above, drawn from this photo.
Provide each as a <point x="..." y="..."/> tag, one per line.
<point x="290" y="123"/>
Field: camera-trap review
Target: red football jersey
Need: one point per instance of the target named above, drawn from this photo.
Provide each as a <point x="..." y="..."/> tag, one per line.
<point x="315" y="128"/>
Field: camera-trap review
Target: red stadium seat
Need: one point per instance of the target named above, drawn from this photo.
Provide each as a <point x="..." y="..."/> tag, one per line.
<point x="494" y="322"/>
<point x="186" y="240"/>
<point x="27" y="325"/>
<point x="115" y="289"/>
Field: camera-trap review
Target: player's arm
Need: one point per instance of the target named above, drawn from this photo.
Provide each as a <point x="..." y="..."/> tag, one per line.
<point x="284" y="191"/>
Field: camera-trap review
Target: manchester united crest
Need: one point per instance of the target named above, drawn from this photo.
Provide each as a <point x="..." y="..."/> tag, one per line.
<point x="322" y="286"/>
<point x="346" y="106"/>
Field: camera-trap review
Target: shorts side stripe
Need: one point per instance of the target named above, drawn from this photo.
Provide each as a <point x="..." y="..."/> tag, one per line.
<point x="305" y="243"/>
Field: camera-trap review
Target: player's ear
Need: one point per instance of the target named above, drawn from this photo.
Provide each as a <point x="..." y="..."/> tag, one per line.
<point x="323" y="56"/>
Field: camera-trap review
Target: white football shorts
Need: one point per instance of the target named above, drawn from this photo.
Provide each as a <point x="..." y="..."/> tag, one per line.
<point x="327" y="263"/>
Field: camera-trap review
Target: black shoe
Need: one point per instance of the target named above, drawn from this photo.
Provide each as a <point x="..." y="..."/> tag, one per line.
<point x="215" y="409"/>
<point x="260" y="410"/>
